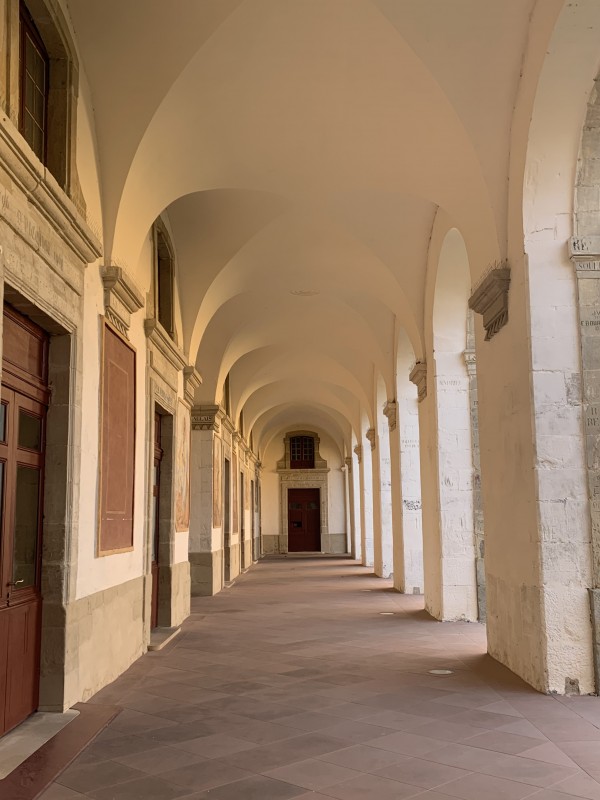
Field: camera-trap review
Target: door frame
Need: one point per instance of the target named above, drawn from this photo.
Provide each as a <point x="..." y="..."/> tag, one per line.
<point x="304" y="479"/>
<point x="306" y="489"/>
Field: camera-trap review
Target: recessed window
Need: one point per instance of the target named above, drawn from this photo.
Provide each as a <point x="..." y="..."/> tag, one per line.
<point x="302" y="452"/>
<point x="165" y="273"/>
<point x="34" y="69"/>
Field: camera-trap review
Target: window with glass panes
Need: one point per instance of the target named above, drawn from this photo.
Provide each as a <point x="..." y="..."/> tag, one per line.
<point x="34" y="85"/>
<point x="302" y="452"/>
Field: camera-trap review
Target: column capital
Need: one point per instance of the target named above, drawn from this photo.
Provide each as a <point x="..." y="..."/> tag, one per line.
<point x="471" y="362"/>
<point x="358" y="452"/>
<point x="584" y="252"/>
<point x="490" y="299"/>
<point x="390" y="410"/>
<point x="207" y="418"/>
<point x="372" y="437"/>
<point x="348" y="462"/>
<point x="418" y="376"/>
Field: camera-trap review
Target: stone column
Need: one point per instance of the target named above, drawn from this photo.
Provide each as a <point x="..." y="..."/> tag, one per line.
<point x="446" y="485"/>
<point x="585" y="253"/>
<point x="410" y="471"/>
<point x="206" y="506"/>
<point x="349" y="497"/>
<point x="375" y="476"/>
<point x="391" y="412"/>
<point x="355" y="497"/>
<point x="366" y="504"/>
<point x="471" y="363"/>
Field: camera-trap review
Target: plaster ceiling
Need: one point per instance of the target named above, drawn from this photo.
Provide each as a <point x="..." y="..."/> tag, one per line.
<point x="301" y="150"/>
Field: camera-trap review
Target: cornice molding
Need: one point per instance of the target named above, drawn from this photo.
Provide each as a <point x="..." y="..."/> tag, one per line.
<point x="192" y="380"/>
<point x="45" y="195"/>
<point x="490" y="299"/>
<point x="122" y="297"/>
<point x="156" y="334"/>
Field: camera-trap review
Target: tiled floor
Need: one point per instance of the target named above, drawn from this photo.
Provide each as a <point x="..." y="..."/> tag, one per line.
<point x="295" y="684"/>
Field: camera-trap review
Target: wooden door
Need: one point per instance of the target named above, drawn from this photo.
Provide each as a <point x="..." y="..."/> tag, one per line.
<point x="23" y="406"/>
<point x="158" y="454"/>
<point x="304" y="520"/>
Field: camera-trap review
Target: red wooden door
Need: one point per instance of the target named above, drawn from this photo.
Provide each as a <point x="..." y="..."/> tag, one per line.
<point x="22" y="444"/>
<point x="304" y="520"/>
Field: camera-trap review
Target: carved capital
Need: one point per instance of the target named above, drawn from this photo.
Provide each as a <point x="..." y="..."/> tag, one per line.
<point x="471" y="362"/>
<point x="121" y="297"/>
<point x="490" y="299"/>
<point x="207" y="418"/>
<point x="418" y="376"/>
<point x="191" y="381"/>
<point x="348" y="462"/>
<point x="358" y="452"/>
<point x="584" y="252"/>
<point x="372" y="437"/>
<point x="390" y="410"/>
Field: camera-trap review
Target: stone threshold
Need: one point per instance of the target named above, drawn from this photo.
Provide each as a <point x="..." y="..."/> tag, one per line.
<point x="18" y="744"/>
<point x="160" y="637"/>
<point x="37" y="772"/>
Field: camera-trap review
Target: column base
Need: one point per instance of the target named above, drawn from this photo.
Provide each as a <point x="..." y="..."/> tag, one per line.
<point x="206" y="573"/>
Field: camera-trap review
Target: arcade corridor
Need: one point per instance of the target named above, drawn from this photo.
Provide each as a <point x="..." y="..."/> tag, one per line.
<point x="310" y="679"/>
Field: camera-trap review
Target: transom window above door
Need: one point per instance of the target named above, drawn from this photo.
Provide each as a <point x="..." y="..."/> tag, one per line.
<point x="302" y="452"/>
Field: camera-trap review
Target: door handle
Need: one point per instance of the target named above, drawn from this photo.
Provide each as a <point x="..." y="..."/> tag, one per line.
<point x="16" y="583"/>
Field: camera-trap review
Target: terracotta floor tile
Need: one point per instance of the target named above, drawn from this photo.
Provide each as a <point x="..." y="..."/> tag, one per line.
<point x="362" y="757"/>
<point x="313" y="774"/>
<point x="422" y="773"/>
<point x="258" y="787"/>
<point x="141" y="789"/>
<point x="215" y="746"/>
<point x="369" y="787"/>
<point x="476" y="787"/>
<point x="159" y="759"/>
<point x="263" y="674"/>
<point x="95" y="776"/>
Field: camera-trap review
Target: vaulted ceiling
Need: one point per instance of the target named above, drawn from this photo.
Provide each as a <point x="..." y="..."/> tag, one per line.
<point x="301" y="150"/>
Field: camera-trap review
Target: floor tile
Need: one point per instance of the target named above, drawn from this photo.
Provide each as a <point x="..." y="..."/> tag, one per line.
<point x="142" y="789"/>
<point x="373" y="787"/>
<point x="258" y="787"/>
<point x="94" y="776"/>
<point x="422" y="773"/>
<point x="291" y="679"/>
<point x="313" y="774"/>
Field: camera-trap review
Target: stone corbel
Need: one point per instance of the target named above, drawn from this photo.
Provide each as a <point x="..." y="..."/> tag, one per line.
<point x="207" y="418"/>
<point x="390" y="410"/>
<point x="418" y="376"/>
<point x="358" y="452"/>
<point x="348" y="462"/>
<point x="372" y="437"/>
<point x="122" y="297"/>
<point x="192" y="380"/>
<point x="490" y="299"/>
<point x="584" y="252"/>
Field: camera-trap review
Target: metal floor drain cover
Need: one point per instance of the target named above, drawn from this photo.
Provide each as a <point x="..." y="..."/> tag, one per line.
<point x="386" y="613"/>
<point x="441" y="672"/>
